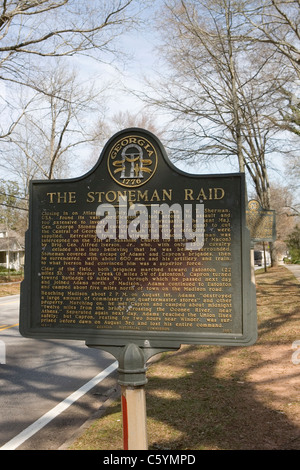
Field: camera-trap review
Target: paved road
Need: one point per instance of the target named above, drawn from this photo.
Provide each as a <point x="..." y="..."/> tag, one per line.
<point x="38" y="379"/>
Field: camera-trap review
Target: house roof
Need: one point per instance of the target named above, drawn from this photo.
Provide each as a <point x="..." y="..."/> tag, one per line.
<point x="13" y="241"/>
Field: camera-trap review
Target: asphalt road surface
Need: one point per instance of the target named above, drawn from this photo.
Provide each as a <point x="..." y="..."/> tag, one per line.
<point x="48" y="388"/>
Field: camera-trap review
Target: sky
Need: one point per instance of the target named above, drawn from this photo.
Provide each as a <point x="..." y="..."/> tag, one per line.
<point x="143" y="62"/>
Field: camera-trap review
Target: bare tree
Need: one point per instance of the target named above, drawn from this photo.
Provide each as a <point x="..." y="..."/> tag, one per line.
<point x="33" y="31"/>
<point x="219" y="92"/>
<point x="275" y="23"/>
<point x="293" y="178"/>
<point x="48" y="28"/>
<point x="142" y="119"/>
<point x="119" y="121"/>
<point x="58" y="123"/>
<point x="282" y="201"/>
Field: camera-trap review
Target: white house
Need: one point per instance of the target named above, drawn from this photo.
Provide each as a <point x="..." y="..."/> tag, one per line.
<point x="12" y="250"/>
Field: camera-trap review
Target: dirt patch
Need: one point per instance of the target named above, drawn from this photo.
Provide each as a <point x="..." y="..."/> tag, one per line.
<point x="224" y="398"/>
<point x="9" y="289"/>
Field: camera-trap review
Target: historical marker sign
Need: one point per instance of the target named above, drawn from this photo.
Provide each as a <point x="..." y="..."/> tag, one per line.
<point x="137" y="251"/>
<point x="261" y="222"/>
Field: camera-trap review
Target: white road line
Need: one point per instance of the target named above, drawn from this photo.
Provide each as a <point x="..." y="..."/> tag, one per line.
<point x="50" y="415"/>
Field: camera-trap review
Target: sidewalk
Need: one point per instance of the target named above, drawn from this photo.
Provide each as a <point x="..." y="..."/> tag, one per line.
<point x="295" y="269"/>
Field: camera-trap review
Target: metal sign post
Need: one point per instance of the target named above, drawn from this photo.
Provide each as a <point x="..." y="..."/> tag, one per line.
<point x="134" y="418"/>
<point x="132" y="379"/>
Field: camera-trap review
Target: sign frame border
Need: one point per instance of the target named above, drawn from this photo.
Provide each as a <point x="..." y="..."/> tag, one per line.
<point x="145" y="338"/>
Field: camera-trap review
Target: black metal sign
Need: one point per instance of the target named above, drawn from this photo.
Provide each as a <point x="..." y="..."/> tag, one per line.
<point x="261" y="222"/>
<point x="137" y="251"/>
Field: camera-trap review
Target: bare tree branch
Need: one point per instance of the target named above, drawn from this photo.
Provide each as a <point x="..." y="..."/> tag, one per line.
<point x="220" y="92"/>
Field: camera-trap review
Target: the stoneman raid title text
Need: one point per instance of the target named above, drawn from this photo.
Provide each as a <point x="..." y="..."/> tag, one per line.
<point x="123" y="216"/>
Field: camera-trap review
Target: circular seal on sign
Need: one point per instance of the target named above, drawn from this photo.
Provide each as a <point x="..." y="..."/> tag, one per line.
<point x="253" y="205"/>
<point x="132" y="161"/>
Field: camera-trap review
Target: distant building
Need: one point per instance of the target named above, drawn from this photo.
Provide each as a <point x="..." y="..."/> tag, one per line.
<point x="12" y="249"/>
<point x="259" y="258"/>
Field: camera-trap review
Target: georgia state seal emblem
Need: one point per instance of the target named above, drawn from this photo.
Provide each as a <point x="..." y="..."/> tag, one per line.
<point x="132" y="161"/>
